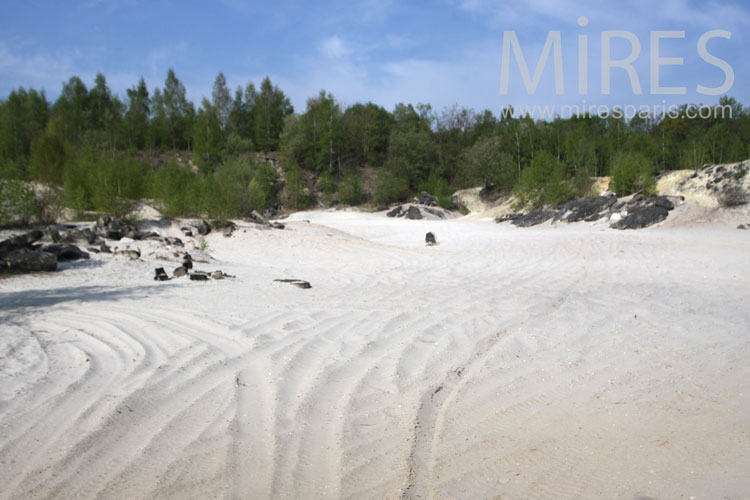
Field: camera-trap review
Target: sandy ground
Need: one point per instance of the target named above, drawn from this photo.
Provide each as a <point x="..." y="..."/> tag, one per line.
<point x="568" y="362"/>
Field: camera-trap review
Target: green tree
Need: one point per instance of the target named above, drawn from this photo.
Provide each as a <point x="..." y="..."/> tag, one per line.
<point x="137" y="115"/>
<point x="271" y="107"/>
<point x="632" y="172"/>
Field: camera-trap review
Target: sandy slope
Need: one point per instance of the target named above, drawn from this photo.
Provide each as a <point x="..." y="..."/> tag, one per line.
<point x="568" y="362"/>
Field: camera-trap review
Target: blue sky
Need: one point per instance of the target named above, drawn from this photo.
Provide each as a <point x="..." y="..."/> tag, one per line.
<point x="441" y="52"/>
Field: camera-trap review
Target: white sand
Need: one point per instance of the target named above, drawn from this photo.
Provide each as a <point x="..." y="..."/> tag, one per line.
<point x="566" y="362"/>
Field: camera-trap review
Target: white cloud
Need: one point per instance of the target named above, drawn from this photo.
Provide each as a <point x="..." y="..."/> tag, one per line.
<point x="335" y="47"/>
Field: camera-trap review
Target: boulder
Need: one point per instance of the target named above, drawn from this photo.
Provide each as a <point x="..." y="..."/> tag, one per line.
<point x="21" y="241"/>
<point x="430" y="239"/>
<point x="198" y="276"/>
<point x="113" y="234"/>
<point x="426" y="199"/>
<point x="203" y="228"/>
<point x="160" y="274"/>
<point x="396" y="212"/>
<point x="742" y="226"/>
<point x="103" y="221"/>
<point x="413" y="213"/>
<point x="434" y="211"/>
<point x="65" y="251"/>
<point x="27" y="260"/>
<point x="642" y="217"/>
<point x="179" y="272"/>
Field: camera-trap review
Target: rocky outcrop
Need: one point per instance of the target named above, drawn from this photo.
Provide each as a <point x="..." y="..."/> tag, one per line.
<point x="533" y="218"/>
<point x="298" y="283"/>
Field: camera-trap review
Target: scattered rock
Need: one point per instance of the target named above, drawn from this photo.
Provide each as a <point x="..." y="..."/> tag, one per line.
<point x="160" y="274"/>
<point x="743" y="226"/>
<point x="589" y="209"/>
<point x="436" y="212"/>
<point x="430" y="240"/>
<point x="396" y="212"/>
<point x="203" y="228"/>
<point x="298" y="283"/>
<point x="426" y="199"/>
<point x="179" y="272"/>
<point x="187" y="261"/>
<point x="65" y="251"/>
<point x="105" y="248"/>
<point x="103" y="221"/>
<point x="413" y="213"/>
<point x="113" y="234"/>
<point x="177" y="242"/>
<point x="186" y="231"/>
<point x="198" y="276"/>
<point x="21" y="241"/>
<point x="508" y="217"/>
<point x="534" y="218"/>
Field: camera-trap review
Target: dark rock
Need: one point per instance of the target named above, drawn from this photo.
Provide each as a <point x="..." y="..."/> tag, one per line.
<point x="435" y="212"/>
<point x="53" y="234"/>
<point x="93" y="249"/>
<point x="661" y="202"/>
<point x="298" y="283"/>
<point x="113" y="234"/>
<point x="203" y="228"/>
<point x="177" y="242"/>
<point x="413" y="213"/>
<point x="508" y="217"/>
<point x="426" y="199"/>
<point x="21" y="241"/>
<point x="65" y="251"/>
<point x="27" y="260"/>
<point x="578" y="210"/>
<point x="179" y="272"/>
<point x="642" y="217"/>
<point x="103" y="221"/>
<point x="186" y="231"/>
<point x="396" y="212"/>
<point x="187" y="261"/>
<point x="160" y="274"/>
<point x="258" y="219"/>
<point x="151" y="235"/>
<point x="534" y="218"/>
<point x="430" y="240"/>
<point x="742" y="226"/>
<point x="277" y="225"/>
<point x="105" y="248"/>
<point x="198" y="276"/>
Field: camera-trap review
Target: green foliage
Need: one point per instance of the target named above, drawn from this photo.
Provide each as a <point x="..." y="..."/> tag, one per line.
<point x="18" y="205"/>
<point x="103" y="183"/>
<point x="350" y="189"/>
<point x="485" y="164"/>
<point x="294" y="189"/>
<point x="47" y="160"/>
<point x="544" y="183"/>
<point x="390" y="187"/>
<point x="439" y="188"/>
<point x="632" y="172"/>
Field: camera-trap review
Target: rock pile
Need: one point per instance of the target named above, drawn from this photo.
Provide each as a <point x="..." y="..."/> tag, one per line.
<point x="638" y="212"/>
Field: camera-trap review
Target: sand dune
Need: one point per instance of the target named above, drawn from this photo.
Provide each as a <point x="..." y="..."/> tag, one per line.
<point x="543" y="363"/>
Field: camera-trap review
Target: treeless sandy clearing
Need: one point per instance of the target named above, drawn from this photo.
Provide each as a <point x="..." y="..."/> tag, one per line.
<point x="568" y="362"/>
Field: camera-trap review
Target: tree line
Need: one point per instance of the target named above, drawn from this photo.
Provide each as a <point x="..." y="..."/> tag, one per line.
<point x="91" y="147"/>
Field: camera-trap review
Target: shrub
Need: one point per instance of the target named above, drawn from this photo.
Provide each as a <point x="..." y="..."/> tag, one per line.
<point x="350" y="190"/>
<point x="294" y="189"/>
<point x="632" y="172"/>
<point x="22" y="204"/>
<point x="544" y="183"/>
<point x="439" y="188"/>
<point x="390" y="188"/>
